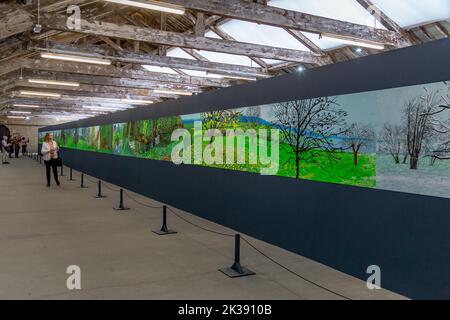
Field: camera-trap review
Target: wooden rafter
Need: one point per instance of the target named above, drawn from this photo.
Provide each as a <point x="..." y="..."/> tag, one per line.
<point x="95" y="27"/>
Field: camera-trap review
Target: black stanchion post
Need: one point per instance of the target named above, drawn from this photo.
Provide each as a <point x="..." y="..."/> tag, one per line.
<point x="82" y="181"/>
<point x="99" y="195"/>
<point x="62" y="170"/>
<point x="71" y="175"/>
<point x="164" y="229"/>
<point x="40" y="159"/>
<point x="121" y="205"/>
<point x="236" y="270"/>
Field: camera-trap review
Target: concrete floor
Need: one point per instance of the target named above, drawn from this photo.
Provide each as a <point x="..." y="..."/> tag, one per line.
<point x="43" y="231"/>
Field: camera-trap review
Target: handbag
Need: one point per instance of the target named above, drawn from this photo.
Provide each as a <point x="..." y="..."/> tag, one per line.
<point x="59" y="160"/>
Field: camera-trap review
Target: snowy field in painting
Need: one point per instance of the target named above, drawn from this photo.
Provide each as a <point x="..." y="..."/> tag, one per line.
<point x="427" y="180"/>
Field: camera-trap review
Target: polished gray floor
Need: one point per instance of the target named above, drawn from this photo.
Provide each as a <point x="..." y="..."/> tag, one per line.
<point x="44" y="230"/>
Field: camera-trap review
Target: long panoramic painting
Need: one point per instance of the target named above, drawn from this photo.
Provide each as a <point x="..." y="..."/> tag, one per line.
<point x="394" y="139"/>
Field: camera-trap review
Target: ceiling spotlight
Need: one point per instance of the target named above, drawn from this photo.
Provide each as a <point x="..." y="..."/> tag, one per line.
<point x="359" y="50"/>
<point x="37" y="28"/>
<point x="300" y="68"/>
<point x="66" y="57"/>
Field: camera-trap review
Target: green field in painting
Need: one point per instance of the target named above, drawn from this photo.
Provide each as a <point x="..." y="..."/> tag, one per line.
<point x="342" y="171"/>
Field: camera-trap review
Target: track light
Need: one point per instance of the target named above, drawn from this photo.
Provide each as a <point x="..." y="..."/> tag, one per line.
<point x="102" y="108"/>
<point x="25" y="106"/>
<point x="40" y="94"/>
<point x="176" y="92"/>
<point x="54" y="82"/>
<point x="135" y="101"/>
<point x="16" y="117"/>
<point x="354" y="42"/>
<point x="67" y="57"/>
<point x="20" y="112"/>
<point x="151" y="5"/>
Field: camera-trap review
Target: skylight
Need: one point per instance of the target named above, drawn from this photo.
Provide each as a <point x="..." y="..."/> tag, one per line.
<point x="409" y="13"/>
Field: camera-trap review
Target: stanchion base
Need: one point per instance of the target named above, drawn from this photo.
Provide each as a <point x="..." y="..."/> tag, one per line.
<point x="164" y="233"/>
<point x="71" y="180"/>
<point x="234" y="274"/>
<point x="83" y="187"/>
<point x="121" y="209"/>
<point x="100" y="197"/>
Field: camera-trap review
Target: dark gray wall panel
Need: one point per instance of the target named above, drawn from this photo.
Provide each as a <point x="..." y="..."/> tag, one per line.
<point x="348" y="228"/>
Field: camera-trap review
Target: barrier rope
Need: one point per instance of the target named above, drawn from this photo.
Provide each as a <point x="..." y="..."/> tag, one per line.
<point x="141" y="203"/>
<point x="228" y="235"/>
<point x="109" y="187"/>
<point x="200" y="227"/>
<point x="293" y="272"/>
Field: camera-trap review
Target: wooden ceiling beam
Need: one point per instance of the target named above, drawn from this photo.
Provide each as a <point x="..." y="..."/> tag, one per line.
<point x="260" y="13"/>
<point x="14" y="19"/>
<point x="108" y="71"/>
<point x="151" y="59"/>
<point x="168" y="38"/>
<point x="108" y="81"/>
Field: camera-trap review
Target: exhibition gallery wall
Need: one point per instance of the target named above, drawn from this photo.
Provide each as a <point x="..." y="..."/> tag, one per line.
<point x="384" y="139"/>
<point x="347" y="164"/>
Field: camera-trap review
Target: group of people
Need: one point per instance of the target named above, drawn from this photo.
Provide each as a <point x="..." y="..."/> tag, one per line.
<point x="49" y="152"/>
<point x="13" y="145"/>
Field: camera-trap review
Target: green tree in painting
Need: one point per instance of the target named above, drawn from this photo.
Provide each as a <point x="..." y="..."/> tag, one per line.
<point x="142" y="136"/>
<point x="220" y="120"/>
<point x="165" y="127"/>
<point x="308" y="127"/>
<point x="106" y="137"/>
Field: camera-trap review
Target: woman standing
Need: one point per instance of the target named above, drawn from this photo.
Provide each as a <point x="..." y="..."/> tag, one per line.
<point x="5" y="148"/>
<point x="24" y="144"/>
<point x="49" y="153"/>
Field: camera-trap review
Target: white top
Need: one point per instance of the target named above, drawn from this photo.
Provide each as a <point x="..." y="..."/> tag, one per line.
<point x="45" y="151"/>
<point x="4" y="145"/>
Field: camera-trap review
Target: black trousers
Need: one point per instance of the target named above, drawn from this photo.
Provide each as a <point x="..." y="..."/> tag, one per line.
<point x="24" y="149"/>
<point x="51" y="164"/>
<point x="16" y="151"/>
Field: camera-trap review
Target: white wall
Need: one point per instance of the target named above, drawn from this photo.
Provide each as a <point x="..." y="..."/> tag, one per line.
<point x="28" y="129"/>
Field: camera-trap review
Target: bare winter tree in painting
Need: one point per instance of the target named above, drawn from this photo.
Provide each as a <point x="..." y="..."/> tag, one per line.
<point x="359" y="136"/>
<point x="393" y="138"/>
<point x="421" y="122"/>
<point x="308" y="127"/>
